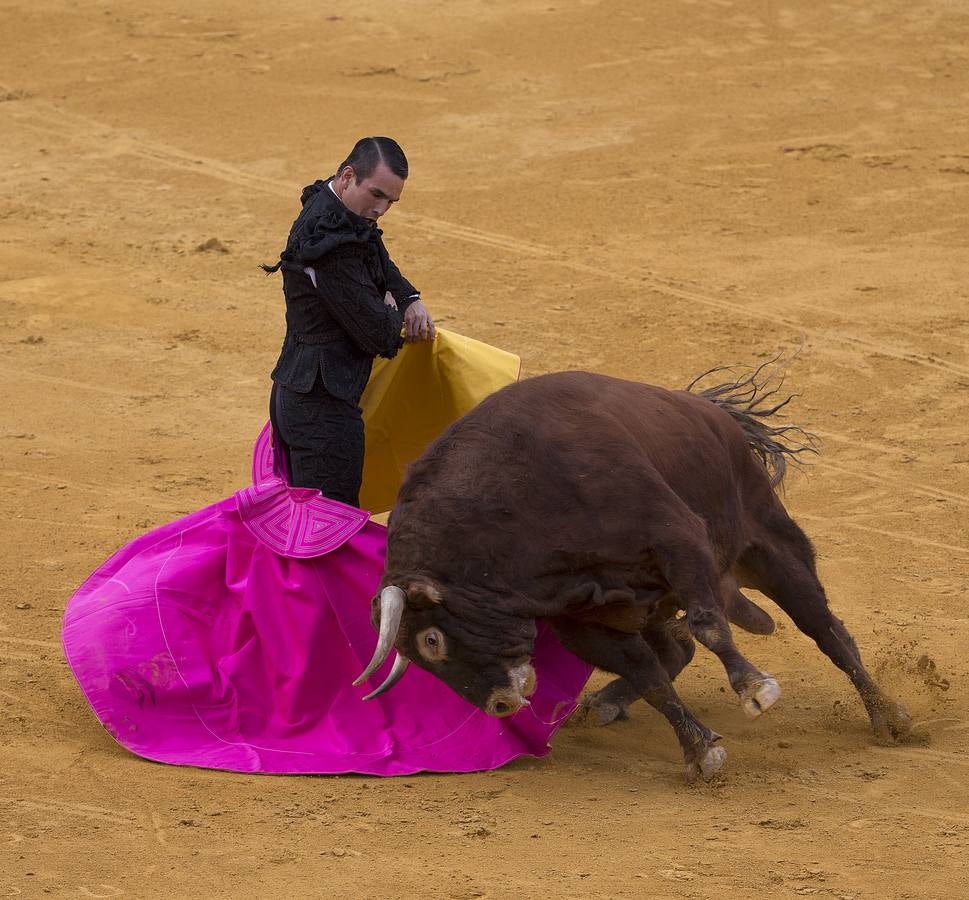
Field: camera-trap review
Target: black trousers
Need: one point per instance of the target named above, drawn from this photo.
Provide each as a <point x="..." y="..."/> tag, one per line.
<point x="322" y="439"/>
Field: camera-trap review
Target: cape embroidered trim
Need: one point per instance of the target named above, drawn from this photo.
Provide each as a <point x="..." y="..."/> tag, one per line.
<point x="293" y="522"/>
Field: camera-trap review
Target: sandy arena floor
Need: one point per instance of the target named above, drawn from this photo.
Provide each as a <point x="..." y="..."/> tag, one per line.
<point x="642" y="189"/>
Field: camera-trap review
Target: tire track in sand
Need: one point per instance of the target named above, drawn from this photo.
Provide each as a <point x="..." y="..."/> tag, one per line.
<point x="18" y="701"/>
<point x="83" y="810"/>
<point x="20" y="657"/>
<point x="924" y="754"/>
<point x="913" y="487"/>
<point x="860" y="804"/>
<point x="52" y="645"/>
<point x="99" y="490"/>
<point x="895" y="535"/>
<point x="67" y="382"/>
<point x="22" y="650"/>
<point x="71" y="126"/>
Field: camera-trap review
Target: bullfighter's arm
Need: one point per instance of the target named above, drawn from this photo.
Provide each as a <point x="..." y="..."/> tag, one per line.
<point x="418" y="324"/>
<point x="417" y="319"/>
<point x="352" y="298"/>
<point x="404" y="292"/>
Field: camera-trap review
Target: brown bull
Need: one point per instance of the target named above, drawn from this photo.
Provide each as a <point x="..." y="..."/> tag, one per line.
<point x="604" y="506"/>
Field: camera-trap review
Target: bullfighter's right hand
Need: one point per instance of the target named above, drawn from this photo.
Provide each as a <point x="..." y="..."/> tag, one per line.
<point x="418" y="324"/>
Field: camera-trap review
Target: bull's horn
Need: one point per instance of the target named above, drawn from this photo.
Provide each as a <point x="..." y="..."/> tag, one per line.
<point x="391" y="609"/>
<point x="396" y="673"/>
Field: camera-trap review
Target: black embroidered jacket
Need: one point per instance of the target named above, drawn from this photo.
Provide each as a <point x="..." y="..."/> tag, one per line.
<point x="335" y="328"/>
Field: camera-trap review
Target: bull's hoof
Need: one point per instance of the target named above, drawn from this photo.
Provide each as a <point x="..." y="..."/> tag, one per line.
<point x="891" y="723"/>
<point x="598" y="711"/>
<point x="608" y="704"/>
<point x="709" y="761"/>
<point x="759" y="695"/>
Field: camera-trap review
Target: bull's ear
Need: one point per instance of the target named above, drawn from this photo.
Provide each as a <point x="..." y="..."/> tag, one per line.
<point x="422" y="594"/>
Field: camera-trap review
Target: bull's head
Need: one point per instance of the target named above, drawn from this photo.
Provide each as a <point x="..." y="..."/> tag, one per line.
<point x="483" y="653"/>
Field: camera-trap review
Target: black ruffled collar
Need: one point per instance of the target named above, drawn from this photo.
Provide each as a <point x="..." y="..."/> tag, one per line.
<point x="331" y="207"/>
<point x="324" y="224"/>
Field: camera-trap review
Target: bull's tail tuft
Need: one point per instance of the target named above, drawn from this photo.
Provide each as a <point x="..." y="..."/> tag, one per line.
<point x="746" y="399"/>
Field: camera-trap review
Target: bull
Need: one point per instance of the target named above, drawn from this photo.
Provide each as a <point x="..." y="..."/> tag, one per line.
<point x="629" y="517"/>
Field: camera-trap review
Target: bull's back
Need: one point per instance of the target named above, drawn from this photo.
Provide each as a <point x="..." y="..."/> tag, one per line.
<point x="588" y="408"/>
<point x="577" y="426"/>
<point x="574" y="463"/>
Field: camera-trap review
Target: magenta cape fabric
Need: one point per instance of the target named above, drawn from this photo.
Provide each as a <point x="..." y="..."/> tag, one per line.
<point x="229" y="639"/>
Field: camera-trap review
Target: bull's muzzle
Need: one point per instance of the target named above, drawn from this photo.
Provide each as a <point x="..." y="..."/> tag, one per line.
<point x="506" y="701"/>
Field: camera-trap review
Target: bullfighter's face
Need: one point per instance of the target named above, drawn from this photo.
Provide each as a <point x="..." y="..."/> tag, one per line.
<point x="369" y="197"/>
<point x="479" y="651"/>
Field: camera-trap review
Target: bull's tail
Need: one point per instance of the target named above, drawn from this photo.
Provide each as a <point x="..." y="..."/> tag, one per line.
<point x="746" y="400"/>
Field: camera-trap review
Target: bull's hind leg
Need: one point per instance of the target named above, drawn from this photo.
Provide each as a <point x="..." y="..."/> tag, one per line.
<point x="781" y="566"/>
<point x="629" y="656"/>
<point x="673" y="645"/>
<point x="687" y="564"/>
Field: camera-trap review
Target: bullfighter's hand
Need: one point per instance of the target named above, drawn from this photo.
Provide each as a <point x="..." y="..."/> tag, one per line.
<point x="418" y="324"/>
<point x="389" y="300"/>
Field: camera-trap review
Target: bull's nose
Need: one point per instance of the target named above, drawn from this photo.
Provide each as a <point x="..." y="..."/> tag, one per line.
<point x="502" y="708"/>
<point x="502" y="705"/>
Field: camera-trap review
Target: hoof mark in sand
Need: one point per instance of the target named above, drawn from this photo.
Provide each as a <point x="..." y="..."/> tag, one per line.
<point x="924" y="754"/>
<point x="156" y="824"/>
<point x="103" y="890"/>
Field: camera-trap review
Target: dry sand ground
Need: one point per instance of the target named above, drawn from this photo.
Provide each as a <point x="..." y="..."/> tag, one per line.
<point x="645" y="189"/>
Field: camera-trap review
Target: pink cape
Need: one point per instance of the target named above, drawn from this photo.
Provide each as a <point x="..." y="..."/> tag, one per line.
<point x="229" y="639"/>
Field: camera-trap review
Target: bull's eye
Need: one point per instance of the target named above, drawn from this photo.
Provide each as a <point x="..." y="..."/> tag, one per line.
<point x="431" y="645"/>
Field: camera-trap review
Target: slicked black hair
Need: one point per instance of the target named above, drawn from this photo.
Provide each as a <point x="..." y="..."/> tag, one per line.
<point x="369" y="152"/>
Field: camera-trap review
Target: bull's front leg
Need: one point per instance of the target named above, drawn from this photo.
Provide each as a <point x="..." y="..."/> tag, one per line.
<point x="629" y="656"/>
<point x="671" y="641"/>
